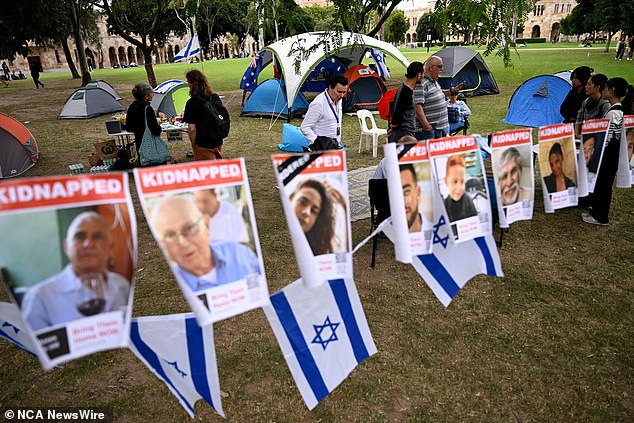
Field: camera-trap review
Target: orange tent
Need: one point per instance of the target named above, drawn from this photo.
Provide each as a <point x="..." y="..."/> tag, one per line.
<point x="365" y="89"/>
<point x="18" y="150"/>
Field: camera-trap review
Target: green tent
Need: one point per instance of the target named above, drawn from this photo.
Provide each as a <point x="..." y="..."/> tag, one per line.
<point x="170" y="97"/>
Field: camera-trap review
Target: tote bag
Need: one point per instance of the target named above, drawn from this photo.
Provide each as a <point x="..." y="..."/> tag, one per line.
<point x="153" y="150"/>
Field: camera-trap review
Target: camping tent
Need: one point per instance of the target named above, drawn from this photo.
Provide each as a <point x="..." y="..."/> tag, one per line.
<point x="365" y="89"/>
<point x="18" y="149"/>
<point x="537" y="101"/>
<point x="170" y="97"/>
<point x="565" y="75"/>
<point x="90" y="101"/>
<point x="348" y="47"/>
<point x="269" y="99"/>
<point x="104" y="86"/>
<point x="464" y="64"/>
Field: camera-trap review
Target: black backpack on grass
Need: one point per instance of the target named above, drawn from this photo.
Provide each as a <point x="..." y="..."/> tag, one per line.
<point x="215" y="123"/>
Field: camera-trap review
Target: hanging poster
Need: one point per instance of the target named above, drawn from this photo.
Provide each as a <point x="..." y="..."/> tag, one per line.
<point x="558" y="166"/>
<point x="512" y="162"/>
<point x="459" y="175"/>
<point x="625" y="174"/>
<point x="201" y="216"/>
<point x="314" y="192"/>
<point x="413" y="185"/>
<point x="68" y="249"/>
<point x="593" y="134"/>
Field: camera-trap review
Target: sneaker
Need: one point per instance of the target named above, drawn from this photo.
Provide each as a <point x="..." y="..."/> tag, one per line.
<point x="586" y="217"/>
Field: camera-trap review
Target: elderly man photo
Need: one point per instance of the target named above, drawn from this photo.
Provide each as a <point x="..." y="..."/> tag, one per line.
<point x="184" y="237"/>
<point x="85" y="287"/>
<point x="323" y="118"/>
<point x="431" y="104"/>
<point x="509" y="178"/>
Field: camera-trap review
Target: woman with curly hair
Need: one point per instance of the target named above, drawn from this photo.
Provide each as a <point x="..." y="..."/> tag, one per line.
<point x="205" y="147"/>
<point x="315" y="209"/>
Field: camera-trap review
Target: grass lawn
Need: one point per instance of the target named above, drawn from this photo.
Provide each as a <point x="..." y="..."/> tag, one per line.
<point x="550" y="342"/>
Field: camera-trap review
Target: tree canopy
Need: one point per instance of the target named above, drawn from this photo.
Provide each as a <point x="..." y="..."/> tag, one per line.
<point x="428" y="23"/>
<point x="396" y="27"/>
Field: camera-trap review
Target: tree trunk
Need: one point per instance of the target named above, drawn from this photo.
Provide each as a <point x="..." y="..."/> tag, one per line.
<point x="149" y="69"/>
<point x="69" y="59"/>
<point x="79" y="43"/>
<point x="607" y="43"/>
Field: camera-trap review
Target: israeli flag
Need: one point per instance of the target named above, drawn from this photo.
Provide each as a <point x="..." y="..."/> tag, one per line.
<point x="191" y="49"/>
<point x="451" y="265"/>
<point x="181" y="354"/>
<point x="13" y="329"/>
<point x="379" y="58"/>
<point x="250" y="78"/>
<point x="322" y="332"/>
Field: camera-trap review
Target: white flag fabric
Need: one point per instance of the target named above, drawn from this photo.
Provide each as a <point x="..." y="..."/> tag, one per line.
<point x="12" y="328"/>
<point x="379" y="59"/>
<point x="322" y="332"/>
<point x="181" y="354"/>
<point x="191" y="49"/>
<point x="625" y="172"/>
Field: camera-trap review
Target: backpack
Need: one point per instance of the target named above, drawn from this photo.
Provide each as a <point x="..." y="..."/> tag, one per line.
<point x="322" y="144"/>
<point x="215" y="123"/>
<point x="385" y="104"/>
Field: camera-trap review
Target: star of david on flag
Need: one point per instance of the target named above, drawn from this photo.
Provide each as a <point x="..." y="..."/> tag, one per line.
<point x="379" y="59"/>
<point x="12" y="327"/>
<point x="181" y="354"/>
<point x="249" y="80"/>
<point x="322" y="332"/>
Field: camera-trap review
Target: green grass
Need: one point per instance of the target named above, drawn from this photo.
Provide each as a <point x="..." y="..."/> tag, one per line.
<point x="550" y="342"/>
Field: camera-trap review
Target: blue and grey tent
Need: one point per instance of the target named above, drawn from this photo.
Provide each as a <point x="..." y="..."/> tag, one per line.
<point x="537" y="101"/>
<point x="463" y="64"/>
<point x="269" y="99"/>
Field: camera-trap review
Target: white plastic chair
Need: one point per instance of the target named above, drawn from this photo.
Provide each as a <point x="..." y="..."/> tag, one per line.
<point x="371" y="131"/>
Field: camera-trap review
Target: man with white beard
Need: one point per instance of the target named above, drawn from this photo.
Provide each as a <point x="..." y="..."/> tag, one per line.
<point x="510" y="176"/>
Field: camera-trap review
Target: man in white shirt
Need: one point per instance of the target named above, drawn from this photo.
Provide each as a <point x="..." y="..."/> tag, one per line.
<point x="323" y="118"/>
<point x="225" y="223"/>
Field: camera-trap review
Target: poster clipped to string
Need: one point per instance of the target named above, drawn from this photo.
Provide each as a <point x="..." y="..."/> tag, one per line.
<point x="412" y="219"/>
<point x="68" y="249"/>
<point x="314" y="193"/>
<point x="625" y="174"/>
<point x="512" y="162"/>
<point x="201" y="216"/>
<point x="458" y="173"/>
<point x="593" y="137"/>
<point x="558" y="166"/>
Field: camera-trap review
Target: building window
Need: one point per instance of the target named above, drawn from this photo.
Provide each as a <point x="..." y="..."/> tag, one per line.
<point x="568" y="8"/>
<point x="57" y="57"/>
<point x="557" y="8"/>
<point x="415" y="21"/>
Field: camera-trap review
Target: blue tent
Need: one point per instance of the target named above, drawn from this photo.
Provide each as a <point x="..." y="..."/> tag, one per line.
<point x="269" y="99"/>
<point x="536" y="102"/>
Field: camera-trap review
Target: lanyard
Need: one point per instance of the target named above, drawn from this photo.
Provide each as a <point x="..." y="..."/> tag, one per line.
<point x="332" y="109"/>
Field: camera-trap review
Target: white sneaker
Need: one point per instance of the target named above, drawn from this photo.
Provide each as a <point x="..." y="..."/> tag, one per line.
<point x="586" y="217"/>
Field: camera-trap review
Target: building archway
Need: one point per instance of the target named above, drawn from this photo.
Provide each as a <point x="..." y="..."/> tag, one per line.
<point x="536" y="32"/>
<point x="177" y="48"/>
<point x="170" y="53"/>
<point x="131" y="55"/>
<point x="554" y="32"/>
<point x="140" y="57"/>
<point x="408" y="38"/>
<point x="226" y="51"/>
<point x="414" y="37"/>
<point x="112" y="55"/>
<point x="122" y="58"/>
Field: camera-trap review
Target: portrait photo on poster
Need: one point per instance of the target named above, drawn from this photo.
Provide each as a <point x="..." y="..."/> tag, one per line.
<point x="417" y="198"/>
<point x="629" y="137"/>
<point x="462" y="186"/>
<point x="83" y="278"/>
<point x="592" y="150"/>
<point x="319" y="201"/>
<point x="512" y="172"/>
<point x="206" y="235"/>
<point x="557" y="164"/>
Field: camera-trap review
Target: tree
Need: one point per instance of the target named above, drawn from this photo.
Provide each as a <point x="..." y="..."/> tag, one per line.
<point x="78" y="9"/>
<point x="396" y="27"/>
<point x="218" y="17"/>
<point x="428" y="24"/>
<point x="607" y="17"/>
<point x="324" y="17"/>
<point x="278" y="19"/>
<point x="145" y="24"/>
<point x="364" y="16"/>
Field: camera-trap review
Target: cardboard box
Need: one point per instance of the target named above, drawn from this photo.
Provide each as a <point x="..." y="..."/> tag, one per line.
<point x="94" y="160"/>
<point x="106" y="149"/>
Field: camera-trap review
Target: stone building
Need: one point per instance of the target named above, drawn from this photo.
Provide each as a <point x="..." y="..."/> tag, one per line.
<point x="544" y="20"/>
<point x="113" y="51"/>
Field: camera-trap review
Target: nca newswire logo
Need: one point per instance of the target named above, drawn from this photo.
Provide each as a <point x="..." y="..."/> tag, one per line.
<point x="58" y="414"/>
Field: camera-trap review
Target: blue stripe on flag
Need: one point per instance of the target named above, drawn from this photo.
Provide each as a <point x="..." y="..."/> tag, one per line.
<point x="440" y="274"/>
<point x="17" y="343"/>
<point x="298" y="343"/>
<point x="340" y="293"/>
<point x="486" y="254"/>
<point x="153" y="360"/>
<point x="197" y="363"/>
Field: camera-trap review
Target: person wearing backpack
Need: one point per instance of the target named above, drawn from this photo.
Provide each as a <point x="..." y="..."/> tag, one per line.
<point x="208" y="120"/>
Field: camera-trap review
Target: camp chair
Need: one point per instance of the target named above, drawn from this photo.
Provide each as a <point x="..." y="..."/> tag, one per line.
<point x="379" y="208"/>
<point x="372" y="131"/>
